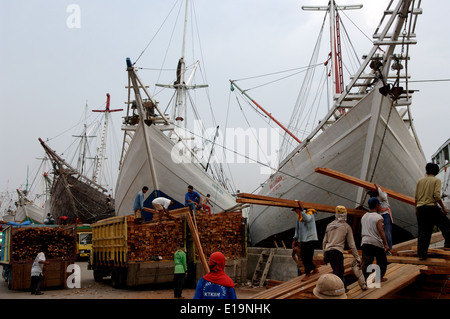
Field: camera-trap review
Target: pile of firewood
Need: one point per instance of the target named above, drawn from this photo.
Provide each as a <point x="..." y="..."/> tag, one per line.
<point x="28" y="242"/>
<point x="222" y="232"/>
<point x="152" y="240"/>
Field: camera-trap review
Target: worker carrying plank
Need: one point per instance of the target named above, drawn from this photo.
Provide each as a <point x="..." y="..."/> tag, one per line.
<point x="161" y="204"/>
<point x="138" y="205"/>
<point x="385" y="212"/>
<point x="337" y="234"/>
<point x="306" y="236"/>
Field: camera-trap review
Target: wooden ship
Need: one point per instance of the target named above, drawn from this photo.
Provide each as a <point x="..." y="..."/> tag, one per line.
<point x="73" y="194"/>
<point x="367" y="133"/>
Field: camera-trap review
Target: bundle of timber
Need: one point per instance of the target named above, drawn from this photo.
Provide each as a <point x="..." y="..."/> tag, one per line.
<point x="153" y="239"/>
<point x="28" y="242"/>
<point x="222" y="232"/>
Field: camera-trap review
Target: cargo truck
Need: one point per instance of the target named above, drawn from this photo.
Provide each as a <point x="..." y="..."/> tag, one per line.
<point x="135" y="254"/>
<point x="84" y="241"/>
<point x="17" y="243"/>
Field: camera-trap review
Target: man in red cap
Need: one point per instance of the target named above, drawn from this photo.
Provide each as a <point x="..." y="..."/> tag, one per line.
<point x="215" y="284"/>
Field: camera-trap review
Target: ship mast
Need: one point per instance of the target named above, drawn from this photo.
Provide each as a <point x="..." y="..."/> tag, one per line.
<point x="84" y="136"/>
<point x="336" y="57"/>
<point x="181" y="85"/>
<point x="101" y="151"/>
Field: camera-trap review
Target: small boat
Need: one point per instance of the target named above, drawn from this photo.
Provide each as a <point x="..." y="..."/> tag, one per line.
<point x="27" y="210"/>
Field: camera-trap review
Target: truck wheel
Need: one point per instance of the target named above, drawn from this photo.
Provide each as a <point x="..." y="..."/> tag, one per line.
<point x="98" y="276"/>
<point x="118" y="278"/>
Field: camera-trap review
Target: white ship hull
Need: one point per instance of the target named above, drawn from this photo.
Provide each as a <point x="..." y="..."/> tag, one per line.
<point x="171" y="178"/>
<point x="341" y="147"/>
<point x="30" y="211"/>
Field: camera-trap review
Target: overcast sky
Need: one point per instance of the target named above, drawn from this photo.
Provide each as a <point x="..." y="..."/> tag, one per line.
<point x="52" y="66"/>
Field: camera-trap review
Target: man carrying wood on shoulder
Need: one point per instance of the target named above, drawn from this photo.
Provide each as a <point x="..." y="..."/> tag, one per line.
<point x="385" y="211"/>
<point x="306" y="236"/>
<point x="138" y="206"/>
<point x="373" y="241"/>
<point x="337" y="234"/>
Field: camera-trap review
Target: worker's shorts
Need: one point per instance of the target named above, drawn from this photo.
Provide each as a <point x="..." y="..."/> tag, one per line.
<point x="158" y="207"/>
<point x="137" y="213"/>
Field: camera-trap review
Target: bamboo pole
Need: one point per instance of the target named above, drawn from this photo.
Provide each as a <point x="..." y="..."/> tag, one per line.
<point x="197" y="242"/>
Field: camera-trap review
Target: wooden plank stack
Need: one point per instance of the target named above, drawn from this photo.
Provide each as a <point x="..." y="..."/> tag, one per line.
<point x="407" y="277"/>
<point x="27" y="243"/>
<point x="150" y="240"/>
<point x="222" y="232"/>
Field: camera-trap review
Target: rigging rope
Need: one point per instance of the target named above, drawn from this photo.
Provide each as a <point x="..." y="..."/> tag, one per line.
<point x="159" y="29"/>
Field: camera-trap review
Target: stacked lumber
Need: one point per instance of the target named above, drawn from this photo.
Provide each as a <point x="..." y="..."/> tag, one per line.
<point x="150" y="240"/>
<point x="222" y="232"/>
<point x="398" y="277"/>
<point x="28" y="242"/>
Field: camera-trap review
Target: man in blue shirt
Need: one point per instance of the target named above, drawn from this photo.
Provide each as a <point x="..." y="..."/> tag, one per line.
<point x="138" y="206"/>
<point x="306" y="236"/>
<point x="192" y="199"/>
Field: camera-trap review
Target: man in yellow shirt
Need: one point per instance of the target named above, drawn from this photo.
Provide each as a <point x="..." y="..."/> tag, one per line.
<point x="427" y="198"/>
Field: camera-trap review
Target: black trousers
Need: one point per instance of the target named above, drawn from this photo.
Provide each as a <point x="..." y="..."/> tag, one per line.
<point x="178" y="285"/>
<point x="36" y="282"/>
<point x="427" y="218"/>
<point x="369" y="253"/>
<point x="336" y="259"/>
<point x="307" y="254"/>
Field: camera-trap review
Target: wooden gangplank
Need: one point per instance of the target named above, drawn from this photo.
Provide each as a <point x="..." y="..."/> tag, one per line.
<point x="398" y="277"/>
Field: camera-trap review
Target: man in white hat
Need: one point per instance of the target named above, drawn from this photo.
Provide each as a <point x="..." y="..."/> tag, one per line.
<point x="337" y="233"/>
<point x="330" y="286"/>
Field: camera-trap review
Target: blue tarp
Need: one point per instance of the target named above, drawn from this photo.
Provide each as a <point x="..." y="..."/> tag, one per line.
<point x="25" y="223"/>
